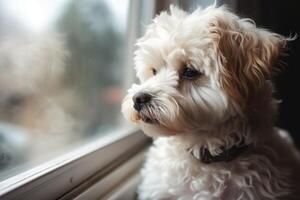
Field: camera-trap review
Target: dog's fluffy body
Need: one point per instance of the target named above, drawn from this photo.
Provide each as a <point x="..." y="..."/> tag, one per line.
<point x="231" y="101"/>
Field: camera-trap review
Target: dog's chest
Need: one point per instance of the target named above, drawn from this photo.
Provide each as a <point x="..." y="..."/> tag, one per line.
<point x="171" y="172"/>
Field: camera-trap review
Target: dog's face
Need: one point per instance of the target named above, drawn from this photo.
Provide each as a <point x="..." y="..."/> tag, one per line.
<point x="198" y="70"/>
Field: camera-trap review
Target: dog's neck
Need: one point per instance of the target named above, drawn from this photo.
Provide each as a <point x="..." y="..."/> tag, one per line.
<point x="220" y="143"/>
<point x="226" y="154"/>
<point x="226" y="134"/>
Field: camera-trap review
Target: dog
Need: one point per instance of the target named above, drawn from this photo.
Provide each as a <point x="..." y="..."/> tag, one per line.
<point x="206" y="97"/>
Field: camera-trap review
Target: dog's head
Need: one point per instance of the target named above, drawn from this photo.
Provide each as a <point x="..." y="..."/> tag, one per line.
<point x="197" y="70"/>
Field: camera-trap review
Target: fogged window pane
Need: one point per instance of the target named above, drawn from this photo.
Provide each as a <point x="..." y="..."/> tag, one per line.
<point x="61" y="75"/>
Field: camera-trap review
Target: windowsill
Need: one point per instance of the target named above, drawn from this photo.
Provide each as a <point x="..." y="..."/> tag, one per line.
<point x="120" y="182"/>
<point x="60" y="175"/>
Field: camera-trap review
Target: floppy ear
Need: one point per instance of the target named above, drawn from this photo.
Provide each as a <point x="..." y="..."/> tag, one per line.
<point x="245" y="55"/>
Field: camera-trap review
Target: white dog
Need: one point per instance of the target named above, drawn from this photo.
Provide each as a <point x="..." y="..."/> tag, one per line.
<point x="205" y="86"/>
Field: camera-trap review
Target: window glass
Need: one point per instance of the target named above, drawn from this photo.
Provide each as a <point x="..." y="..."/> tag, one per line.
<point x="61" y="76"/>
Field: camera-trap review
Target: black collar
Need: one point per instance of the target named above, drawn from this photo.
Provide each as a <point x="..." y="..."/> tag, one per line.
<point x="226" y="155"/>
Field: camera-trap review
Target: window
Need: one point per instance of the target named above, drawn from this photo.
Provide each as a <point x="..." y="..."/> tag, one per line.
<point x="62" y="66"/>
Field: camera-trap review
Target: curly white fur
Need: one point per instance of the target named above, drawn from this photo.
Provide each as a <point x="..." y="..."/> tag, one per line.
<point x="231" y="101"/>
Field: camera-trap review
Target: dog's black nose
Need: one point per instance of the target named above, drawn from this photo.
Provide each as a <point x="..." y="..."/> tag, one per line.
<point x="140" y="99"/>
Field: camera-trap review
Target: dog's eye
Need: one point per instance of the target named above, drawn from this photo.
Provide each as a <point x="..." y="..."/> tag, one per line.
<point x="154" y="72"/>
<point x="190" y="74"/>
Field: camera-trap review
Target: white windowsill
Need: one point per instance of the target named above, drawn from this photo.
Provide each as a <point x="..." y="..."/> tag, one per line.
<point x="54" y="178"/>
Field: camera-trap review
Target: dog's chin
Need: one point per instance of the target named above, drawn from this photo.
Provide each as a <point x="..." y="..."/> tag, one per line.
<point x="148" y="119"/>
<point x="155" y="130"/>
<point x="150" y="125"/>
<point x="153" y="127"/>
<point x="138" y="118"/>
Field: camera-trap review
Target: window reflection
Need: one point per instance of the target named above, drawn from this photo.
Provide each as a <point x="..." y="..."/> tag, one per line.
<point x="60" y="75"/>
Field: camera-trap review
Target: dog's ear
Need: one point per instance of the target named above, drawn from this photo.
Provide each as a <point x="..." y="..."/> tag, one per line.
<point x="246" y="55"/>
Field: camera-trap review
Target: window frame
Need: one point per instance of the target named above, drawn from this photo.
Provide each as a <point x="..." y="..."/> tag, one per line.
<point x="53" y="179"/>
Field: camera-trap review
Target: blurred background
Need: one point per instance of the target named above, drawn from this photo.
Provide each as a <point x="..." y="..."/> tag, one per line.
<point x="66" y="64"/>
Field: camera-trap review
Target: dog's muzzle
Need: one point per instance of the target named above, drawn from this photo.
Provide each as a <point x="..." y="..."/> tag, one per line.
<point x="142" y="102"/>
<point x="140" y="99"/>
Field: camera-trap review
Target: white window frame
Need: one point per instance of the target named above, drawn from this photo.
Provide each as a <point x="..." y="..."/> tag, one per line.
<point x="59" y="176"/>
<point x="87" y="169"/>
